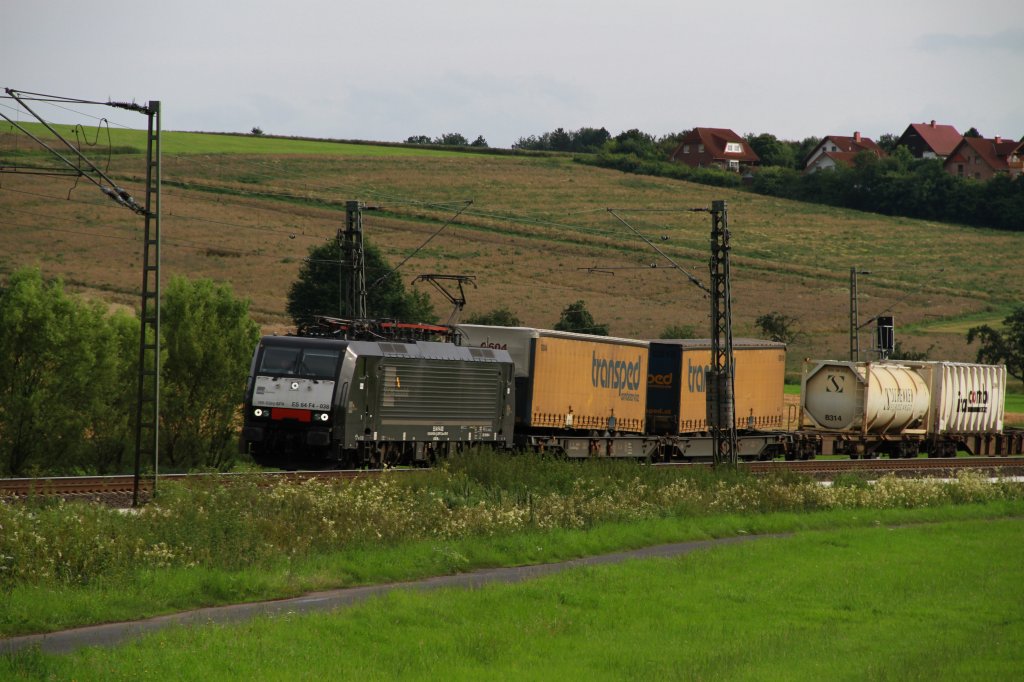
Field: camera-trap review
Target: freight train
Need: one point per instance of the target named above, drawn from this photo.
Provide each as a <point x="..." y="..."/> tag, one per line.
<point x="355" y="395"/>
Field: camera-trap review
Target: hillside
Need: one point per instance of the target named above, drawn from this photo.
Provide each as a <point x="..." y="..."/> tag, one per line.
<point x="246" y="210"/>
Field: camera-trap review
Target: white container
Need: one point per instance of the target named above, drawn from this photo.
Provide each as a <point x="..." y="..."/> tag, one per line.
<point x="966" y="398"/>
<point x="867" y="398"/>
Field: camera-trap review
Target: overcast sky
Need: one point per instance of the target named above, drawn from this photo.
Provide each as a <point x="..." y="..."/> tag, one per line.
<point x="380" y="70"/>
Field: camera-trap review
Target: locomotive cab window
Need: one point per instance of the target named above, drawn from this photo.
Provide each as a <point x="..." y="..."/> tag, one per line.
<point x="310" y="362"/>
<point x="319" y="363"/>
<point x="279" y="361"/>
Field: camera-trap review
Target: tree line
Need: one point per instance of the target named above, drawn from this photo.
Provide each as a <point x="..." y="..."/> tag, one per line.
<point x="898" y="184"/>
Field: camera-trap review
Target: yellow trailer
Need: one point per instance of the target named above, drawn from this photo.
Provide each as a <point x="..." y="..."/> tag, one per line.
<point x="677" y="401"/>
<point x="572" y="382"/>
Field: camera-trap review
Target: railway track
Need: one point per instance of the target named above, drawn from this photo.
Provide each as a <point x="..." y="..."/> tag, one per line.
<point x="119" y="490"/>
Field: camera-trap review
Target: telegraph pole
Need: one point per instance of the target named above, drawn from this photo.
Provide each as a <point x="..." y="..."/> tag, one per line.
<point x="147" y="414"/>
<point x="720" y="393"/>
<point x="719" y="383"/>
<point x="352" y="254"/>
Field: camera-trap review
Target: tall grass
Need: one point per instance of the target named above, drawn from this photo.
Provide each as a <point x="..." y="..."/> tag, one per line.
<point x="254" y="521"/>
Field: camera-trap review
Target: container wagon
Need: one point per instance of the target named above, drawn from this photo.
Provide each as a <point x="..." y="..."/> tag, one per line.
<point x="677" y="400"/>
<point x="578" y="394"/>
<point x="901" y="408"/>
<point x="315" y="401"/>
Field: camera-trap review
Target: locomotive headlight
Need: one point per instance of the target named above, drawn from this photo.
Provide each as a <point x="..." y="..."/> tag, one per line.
<point x="257" y="412"/>
<point x="324" y="417"/>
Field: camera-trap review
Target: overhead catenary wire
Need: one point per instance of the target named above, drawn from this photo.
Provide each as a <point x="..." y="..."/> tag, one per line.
<point x="114" y="191"/>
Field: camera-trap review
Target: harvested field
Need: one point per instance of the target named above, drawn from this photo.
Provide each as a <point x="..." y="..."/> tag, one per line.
<point x="533" y="228"/>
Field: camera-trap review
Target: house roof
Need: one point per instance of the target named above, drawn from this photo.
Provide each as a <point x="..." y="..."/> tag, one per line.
<point x="940" y="138"/>
<point x="995" y="152"/>
<point x="855" y="144"/>
<point x="714" y="141"/>
<point x="840" y="158"/>
<point x="848" y="148"/>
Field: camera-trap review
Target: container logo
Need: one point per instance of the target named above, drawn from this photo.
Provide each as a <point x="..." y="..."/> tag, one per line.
<point x="974" y="402"/>
<point x="659" y="380"/>
<point x="620" y="375"/>
<point x="897" y="399"/>
<point x="695" y="376"/>
<point x="835" y="383"/>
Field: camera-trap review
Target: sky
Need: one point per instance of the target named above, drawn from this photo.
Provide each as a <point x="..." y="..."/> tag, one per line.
<point x="387" y="70"/>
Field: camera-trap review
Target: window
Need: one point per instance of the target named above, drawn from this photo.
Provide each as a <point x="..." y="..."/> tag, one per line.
<point x="700" y="149"/>
<point x="309" y="362"/>
<point x="686" y="149"/>
<point x="734" y="165"/>
<point x="733" y="148"/>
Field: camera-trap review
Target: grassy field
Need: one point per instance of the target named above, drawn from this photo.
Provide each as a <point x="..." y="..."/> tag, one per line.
<point x="215" y="542"/>
<point x="934" y="602"/>
<point x="246" y="210"/>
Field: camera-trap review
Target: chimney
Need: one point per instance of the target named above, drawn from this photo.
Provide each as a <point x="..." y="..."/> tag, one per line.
<point x="999" y="140"/>
<point x="933" y="123"/>
<point x="856" y="136"/>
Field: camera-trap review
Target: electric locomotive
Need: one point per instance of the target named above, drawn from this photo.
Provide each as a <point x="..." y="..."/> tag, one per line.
<point x="313" y="402"/>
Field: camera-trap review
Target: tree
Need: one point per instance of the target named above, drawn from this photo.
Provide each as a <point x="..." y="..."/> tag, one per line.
<point x="887" y="141"/>
<point x="418" y="139"/>
<point x="452" y="139"/>
<point x="679" y="331"/>
<point x="316" y="290"/>
<point x="778" y="327"/>
<point x="62" y="373"/>
<point x="576" y="318"/>
<point x="208" y="338"/>
<point x="635" y="142"/>
<point x="499" y="317"/>
<point x="257" y="131"/>
<point x="479" y="142"/>
<point x="773" y="151"/>
<point x="804" y="149"/>
<point x="1002" y="346"/>
<point x="590" y="140"/>
<point x="667" y="144"/>
<point x="972" y="132"/>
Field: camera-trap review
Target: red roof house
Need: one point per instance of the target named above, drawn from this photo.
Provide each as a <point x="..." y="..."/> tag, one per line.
<point x="719" y="147"/>
<point x="837" y="150"/>
<point x="930" y="140"/>
<point x="981" y="158"/>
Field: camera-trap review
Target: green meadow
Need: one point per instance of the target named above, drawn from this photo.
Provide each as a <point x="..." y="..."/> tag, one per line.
<point x="907" y="602"/>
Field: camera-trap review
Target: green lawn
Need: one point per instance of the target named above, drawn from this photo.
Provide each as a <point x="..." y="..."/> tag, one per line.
<point x="927" y="602"/>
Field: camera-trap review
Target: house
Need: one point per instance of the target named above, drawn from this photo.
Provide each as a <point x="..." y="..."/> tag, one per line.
<point x="714" y="147"/>
<point x="981" y="158"/>
<point x="837" y="150"/>
<point x="930" y="140"/>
